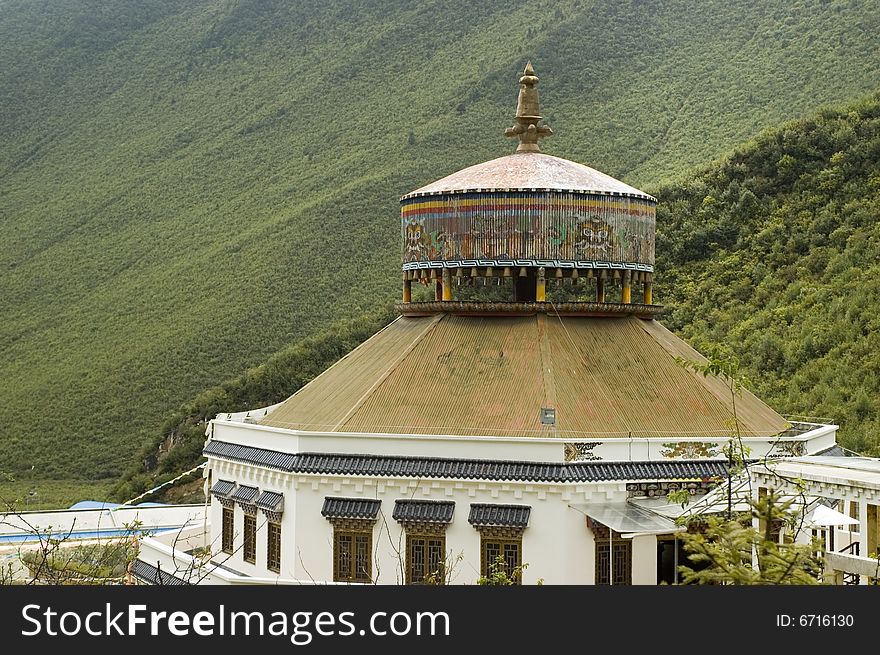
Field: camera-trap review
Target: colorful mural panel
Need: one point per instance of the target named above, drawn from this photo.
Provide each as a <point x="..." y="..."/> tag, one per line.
<point x="528" y="226"/>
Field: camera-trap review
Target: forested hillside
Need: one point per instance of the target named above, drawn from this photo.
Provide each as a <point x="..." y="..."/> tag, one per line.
<point x="772" y="253"/>
<point x="775" y="252"/>
<point x="189" y="187"/>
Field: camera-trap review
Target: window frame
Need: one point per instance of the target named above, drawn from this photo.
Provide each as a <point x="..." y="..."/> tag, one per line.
<point x="487" y="540"/>
<point x="273" y="546"/>
<point x="616" y="545"/>
<point x="249" y="550"/>
<point x="352" y="574"/>
<point x="227" y="530"/>
<point x="425" y="548"/>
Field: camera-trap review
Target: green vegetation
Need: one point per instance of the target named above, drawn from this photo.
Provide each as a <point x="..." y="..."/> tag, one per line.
<point x="721" y="550"/>
<point x="178" y="447"/>
<point x="26" y="493"/>
<point x="499" y="574"/>
<point x="189" y="187"/>
<point x="94" y="563"/>
<point x="775" y="252"/>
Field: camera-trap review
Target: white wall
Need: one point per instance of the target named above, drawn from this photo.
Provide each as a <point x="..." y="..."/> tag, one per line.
<point x="557" y="545"/>
<point x="524" y="449"/>
<point x="644" y="554"/>
<point x="109" y="519"/>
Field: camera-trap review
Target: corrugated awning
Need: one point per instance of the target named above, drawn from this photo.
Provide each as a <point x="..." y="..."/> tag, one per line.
<point x="271" y="501"/>
<point x="222" y="488"/>
<point x="425" y="511"/>
<point x="245" y="495"/>
<point x="627" y="519"/>
<point x="350" y="508"/>
<point x="514" y="516"/>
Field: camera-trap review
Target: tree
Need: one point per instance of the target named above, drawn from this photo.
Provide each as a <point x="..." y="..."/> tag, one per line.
<point x="499" y="574"/>
<point x="48" y="556"/>
<point x="730" y="551"/>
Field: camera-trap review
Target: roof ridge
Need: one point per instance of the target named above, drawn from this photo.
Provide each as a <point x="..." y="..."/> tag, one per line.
<point x="333" y="365"/>
<point x="381" y="380"/>
<point x="705" y="381"/>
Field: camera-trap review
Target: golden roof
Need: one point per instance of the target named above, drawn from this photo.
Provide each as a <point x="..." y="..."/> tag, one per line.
<point x="448" y="374"/>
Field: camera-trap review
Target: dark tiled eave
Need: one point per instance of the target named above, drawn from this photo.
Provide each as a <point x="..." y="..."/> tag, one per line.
<point x="270" y="501"/>
<point x="424" y="511"/>
<point x="465" y="469"/>
<point x="154" y="575"/>
<point x="222" y="488"/>
<point x="350" y="508"/>
<point x="513" y="516"/>
<point x="245" y="495"/>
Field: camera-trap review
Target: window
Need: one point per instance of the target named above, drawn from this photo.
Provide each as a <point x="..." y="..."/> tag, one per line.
<point x="250" y="538"/>
<point x="228" y="529"/>
<point x="351" y="556"/>
<point x="273" y="558"/>
<point x="854" y="514"/>
<point x="620" y="562"/>
<point x="509" y="549"/>
<point x="425" y="560"/>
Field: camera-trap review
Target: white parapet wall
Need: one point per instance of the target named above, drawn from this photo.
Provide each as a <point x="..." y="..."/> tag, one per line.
<point x="84" y="524"/>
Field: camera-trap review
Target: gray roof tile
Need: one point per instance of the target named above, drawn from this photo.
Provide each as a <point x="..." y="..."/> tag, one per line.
<point x="155" y="576"/>
<point x="271" y="501"/>
<point x="425" y="511"/>
<point x="468" y="469"/>
<point x="245" y="495"/>
<point x="350" y="508"/>
<point x="222" y="488"/>
<point x="515" y="516"/>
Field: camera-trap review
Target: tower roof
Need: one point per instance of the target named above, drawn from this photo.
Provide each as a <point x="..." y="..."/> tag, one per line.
<point x="529" y="171"/>
<point x="531" y="211"/>
<point x="468" y="375"/>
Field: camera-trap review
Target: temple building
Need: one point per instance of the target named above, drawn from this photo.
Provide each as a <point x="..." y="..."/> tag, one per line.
<point x="535" y="433"/>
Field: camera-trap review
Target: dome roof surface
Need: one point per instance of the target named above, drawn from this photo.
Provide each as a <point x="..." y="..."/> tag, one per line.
<point x="446" y="374"/>
<point x="529" y="171"/>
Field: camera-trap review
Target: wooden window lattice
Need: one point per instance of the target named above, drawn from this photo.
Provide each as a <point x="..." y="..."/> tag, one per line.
<point x="273" y="554"/>
<point x="621" y="552"/>
<point x="352" y="556"/>
<point x="510" y="549"/>
<point x="250" y="539"/>
<point x="228" y="530"/>
<point x="426" y="559"/>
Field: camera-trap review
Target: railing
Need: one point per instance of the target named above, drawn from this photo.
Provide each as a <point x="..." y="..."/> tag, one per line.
<point x="797" y="428"/>
<point x="852" y="549"/>
<point x="850" y="579"/>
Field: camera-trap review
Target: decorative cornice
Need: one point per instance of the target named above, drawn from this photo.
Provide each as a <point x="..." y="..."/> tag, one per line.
<point x="378" y="466"/>
<point x="462" y="308"/>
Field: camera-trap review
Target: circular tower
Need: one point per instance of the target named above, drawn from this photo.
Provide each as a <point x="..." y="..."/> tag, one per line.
<point x="528" y="219"/>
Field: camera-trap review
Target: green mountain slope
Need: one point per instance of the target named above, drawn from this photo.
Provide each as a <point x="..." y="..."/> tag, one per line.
<point x="775" y="252"/>
<point x="187" y="187"/>
<point x="772" y="253"/>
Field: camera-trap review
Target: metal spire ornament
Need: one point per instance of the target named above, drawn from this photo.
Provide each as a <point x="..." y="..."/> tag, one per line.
<point x="528" y="114"/>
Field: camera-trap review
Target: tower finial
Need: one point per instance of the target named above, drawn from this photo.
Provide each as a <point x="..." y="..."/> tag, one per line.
<point x="528" y="114"/>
